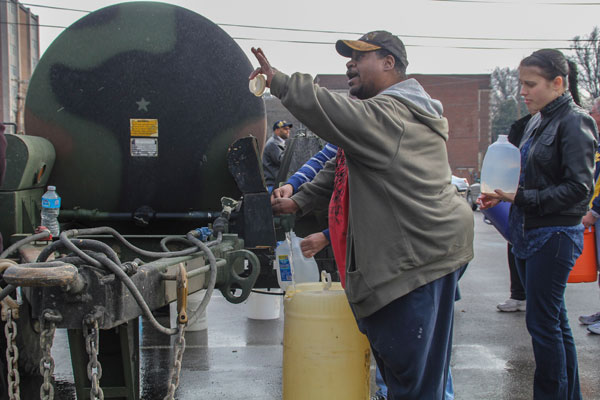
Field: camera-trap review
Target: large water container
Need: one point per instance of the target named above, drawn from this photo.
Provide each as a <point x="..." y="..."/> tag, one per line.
<point x="291" y="265"/>
<point x="324" y="354"/>
<point x="501" y="167"/>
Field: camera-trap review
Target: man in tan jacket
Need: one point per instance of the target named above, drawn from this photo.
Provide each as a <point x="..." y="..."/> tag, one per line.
<point x="407" y="232"/>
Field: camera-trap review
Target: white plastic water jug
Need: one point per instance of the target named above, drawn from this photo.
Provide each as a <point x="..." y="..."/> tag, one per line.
<point x="291" y="266"/>
<point x="501" y="167"/>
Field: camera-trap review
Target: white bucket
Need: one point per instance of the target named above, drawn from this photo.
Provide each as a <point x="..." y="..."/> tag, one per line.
<point x="193" y="302"/>
<point x="264" y="306"/>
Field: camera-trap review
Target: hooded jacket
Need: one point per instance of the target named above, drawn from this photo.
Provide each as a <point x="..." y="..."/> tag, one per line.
<point x="407" y="225"/>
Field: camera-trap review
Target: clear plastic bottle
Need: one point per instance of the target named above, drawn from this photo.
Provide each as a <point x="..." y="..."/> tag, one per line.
<point x="501" y="167"/>
<point x="292" y="267"/>
<point x="50" y="210"/>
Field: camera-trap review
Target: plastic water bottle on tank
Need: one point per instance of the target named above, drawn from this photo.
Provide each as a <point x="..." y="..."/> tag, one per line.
<point x="50" y="210"/>
<point x="501" y="167"/>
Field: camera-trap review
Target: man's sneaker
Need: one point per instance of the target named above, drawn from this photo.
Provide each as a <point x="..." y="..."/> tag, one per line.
<point x="590" y="319"/>
<point x="594" y="328"/>
<point x="512" y="305"/>
<point x="377" y="397"/>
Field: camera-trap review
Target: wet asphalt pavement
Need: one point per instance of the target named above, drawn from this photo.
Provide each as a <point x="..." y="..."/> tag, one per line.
<point x="240" y="358"/>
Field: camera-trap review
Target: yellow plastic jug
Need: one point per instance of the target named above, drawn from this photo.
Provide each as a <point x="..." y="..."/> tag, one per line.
<point x="325" y="356"/>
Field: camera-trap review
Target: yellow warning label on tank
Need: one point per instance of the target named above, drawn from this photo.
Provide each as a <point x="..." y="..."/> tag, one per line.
<point x="143" y="127"/>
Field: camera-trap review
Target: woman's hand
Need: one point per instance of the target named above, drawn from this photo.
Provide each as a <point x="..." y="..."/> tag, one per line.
<point x="489" y="200"/>
<point x="486" y="201"/>
<point x="265" y="67"/>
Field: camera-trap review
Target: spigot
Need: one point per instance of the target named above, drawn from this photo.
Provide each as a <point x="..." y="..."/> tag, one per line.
<point x="221" y="224"/>
<point x="287" y="221"/>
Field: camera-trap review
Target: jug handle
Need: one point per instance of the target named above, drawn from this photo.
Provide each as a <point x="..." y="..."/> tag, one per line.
<point x="326" y="279"/>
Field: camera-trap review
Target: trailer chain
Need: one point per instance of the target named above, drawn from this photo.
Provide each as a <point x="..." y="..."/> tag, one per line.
<point x="94" y="369"/>
<point x="179" y="348"/>
<point x="12" y="356"/>
<point x="48" y="325"/>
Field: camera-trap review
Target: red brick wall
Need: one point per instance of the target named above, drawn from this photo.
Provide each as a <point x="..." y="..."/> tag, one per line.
<point x="466" y="105"/>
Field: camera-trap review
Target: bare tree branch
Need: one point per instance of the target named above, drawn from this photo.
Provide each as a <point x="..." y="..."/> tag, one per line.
<point x="587" y="57"/>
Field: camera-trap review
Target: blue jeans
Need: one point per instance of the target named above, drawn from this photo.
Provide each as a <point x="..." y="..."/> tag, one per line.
<point x="545" y="277"/>
<point x="382" y="387"/>
<point x="421" y="321"/>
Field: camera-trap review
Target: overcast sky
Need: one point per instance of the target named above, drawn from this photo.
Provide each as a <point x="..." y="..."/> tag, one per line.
<point x="442" y="36"/>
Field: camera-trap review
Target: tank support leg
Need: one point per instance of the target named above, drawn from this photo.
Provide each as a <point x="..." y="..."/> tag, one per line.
<point x="118" y="356"/>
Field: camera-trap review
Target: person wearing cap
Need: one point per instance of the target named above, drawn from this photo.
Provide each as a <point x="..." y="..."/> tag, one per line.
<point x="408" y="233"/>
<point x="2" y="162"/>
<point x="273" y="152"/>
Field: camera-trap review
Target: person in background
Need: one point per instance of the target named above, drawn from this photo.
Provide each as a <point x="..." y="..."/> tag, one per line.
<point x="273" y="152"/>
<point x="400" y="287"/>
<point x="556" y="184"/>
<point x="2" y="164"/>
<point x="592" y="218"/>
<point x="517" y="300"/>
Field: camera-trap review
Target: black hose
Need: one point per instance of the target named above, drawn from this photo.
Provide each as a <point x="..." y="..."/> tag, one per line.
<point x="6" y="291"/>
<point x="99" y="247"/>
<point x="28" y="239"/>
<point x="111" y="231"/>
<point x="166" y="239"/>
<point x="64" y="238"/>
<point x="83" y="245"/>
<point x="48" y="250"/>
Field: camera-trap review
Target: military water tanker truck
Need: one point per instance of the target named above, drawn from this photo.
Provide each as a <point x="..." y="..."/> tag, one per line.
<point x="140" y="115"/>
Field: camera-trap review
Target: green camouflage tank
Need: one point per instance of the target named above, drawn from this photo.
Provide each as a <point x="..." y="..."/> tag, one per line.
<point x="141" y="101"/>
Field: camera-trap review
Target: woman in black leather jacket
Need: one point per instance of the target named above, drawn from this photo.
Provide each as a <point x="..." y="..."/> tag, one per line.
<point x="558" y="143"/>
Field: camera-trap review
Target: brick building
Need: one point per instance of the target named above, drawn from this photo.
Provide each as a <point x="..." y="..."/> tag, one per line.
<point x="466" y="100"/>
<point x="19" y="54"/>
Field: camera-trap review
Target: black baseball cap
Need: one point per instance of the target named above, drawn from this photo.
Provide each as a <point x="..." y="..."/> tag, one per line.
<point x="374" y="41"/>
<point x="280" y="124"/>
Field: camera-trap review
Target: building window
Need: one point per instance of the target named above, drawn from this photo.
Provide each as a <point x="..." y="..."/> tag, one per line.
<point x="14" y="72"/>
